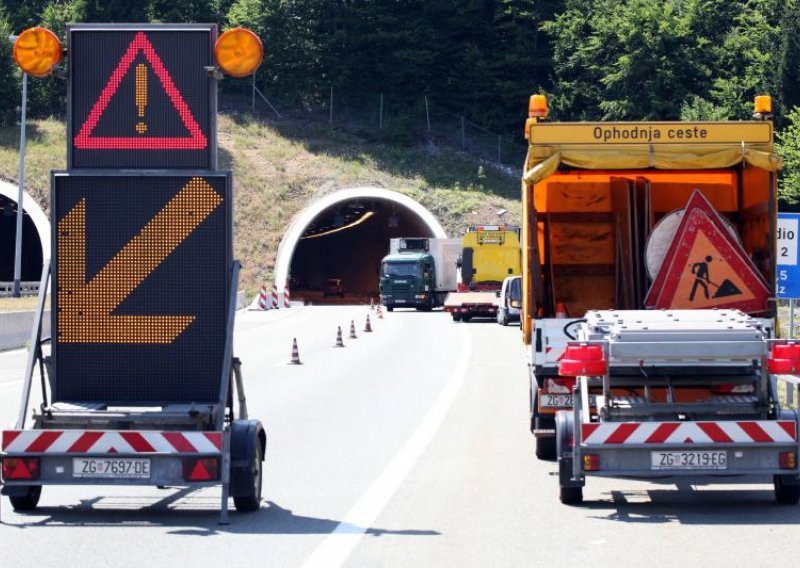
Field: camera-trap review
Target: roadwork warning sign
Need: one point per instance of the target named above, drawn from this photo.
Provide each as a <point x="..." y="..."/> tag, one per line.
<point x="142" y="97"/>
<point x="706" y="268"/>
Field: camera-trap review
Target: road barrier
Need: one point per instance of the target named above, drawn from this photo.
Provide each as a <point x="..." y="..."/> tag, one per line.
<point x="262" y="297"/>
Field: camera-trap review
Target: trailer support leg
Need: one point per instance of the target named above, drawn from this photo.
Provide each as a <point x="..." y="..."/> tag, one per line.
<point x="226" y="475"/>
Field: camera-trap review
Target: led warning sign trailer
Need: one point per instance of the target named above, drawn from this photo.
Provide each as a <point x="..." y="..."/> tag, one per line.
<point x="142" y="97"/>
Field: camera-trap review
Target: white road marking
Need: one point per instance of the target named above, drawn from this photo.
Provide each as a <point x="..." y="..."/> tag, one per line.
<point x="13" y="352"/>
<point x="11" y="383"/>
<point x="337" y="546"/>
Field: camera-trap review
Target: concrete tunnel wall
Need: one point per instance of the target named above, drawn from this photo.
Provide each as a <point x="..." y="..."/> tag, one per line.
<point x="35" y="233"/>
<point x="337" y="254"/>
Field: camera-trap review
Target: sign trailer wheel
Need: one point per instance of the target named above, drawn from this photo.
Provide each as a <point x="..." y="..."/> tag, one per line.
<point x="252" y="502"/>
<point x="29" y="500"/>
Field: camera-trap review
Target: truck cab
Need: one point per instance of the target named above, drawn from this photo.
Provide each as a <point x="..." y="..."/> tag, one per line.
<point x="407" y="281"/>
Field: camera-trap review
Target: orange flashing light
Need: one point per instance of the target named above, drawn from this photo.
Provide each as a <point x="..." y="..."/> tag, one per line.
<point x="537" y="107"/>
<point x="239" y="52"/>
<point x="37" y="51"/>
<point x="762" y="104"/>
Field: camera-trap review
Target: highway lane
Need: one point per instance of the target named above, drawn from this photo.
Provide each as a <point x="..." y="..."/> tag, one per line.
<point x="407" y="447"/>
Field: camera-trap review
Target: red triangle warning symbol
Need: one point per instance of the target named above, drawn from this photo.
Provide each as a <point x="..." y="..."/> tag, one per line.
<point x="196" y="140"/>
<point x="706" y="268"/>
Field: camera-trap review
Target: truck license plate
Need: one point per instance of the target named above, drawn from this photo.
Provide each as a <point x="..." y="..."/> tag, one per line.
<point x="690" y="459"/>
<point x="562" y="400"/>
<point x="111" y="468"/>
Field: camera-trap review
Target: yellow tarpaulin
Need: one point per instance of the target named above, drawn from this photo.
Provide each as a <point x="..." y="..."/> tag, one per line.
<point x="543" y="161"/>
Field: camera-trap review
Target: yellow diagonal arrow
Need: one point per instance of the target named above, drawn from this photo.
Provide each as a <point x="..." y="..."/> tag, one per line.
<point x="84" y="309"/>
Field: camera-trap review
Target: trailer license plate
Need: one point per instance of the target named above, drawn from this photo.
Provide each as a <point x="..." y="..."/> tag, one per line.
<point x="562" y="400"/>
<point x="111" y="468"/>
<point x="690" y="459"/>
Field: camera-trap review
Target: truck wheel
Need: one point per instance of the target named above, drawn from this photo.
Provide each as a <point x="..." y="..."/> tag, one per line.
<point x="786" y="493"/>
<point x="252" y="502"/>
<point x="389" y="308"/>
<point x="546" y="448"/>
<point x="466" y="318"/>
<point x="28" y="501"/>
<point x="456" y="317"/>
<point x="571" y="495"/>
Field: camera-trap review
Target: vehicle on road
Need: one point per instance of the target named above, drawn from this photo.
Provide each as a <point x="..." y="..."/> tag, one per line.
<point x="622" y="217"/>
<point x="489" y="254"/>
<point x="510" y="300"/>
<point x="333" y="287"/>
<point x="418" y="272"/>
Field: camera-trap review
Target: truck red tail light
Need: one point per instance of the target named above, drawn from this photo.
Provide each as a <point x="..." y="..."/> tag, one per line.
<point x="591" y="462"/>
<point x="784" y="359"/>
<point x="788" y="460"/>
<point x="202" y="469"/>
<point x="20" y="468"/>
<point x="733" y="389"/>
<point x="583" y="360"/>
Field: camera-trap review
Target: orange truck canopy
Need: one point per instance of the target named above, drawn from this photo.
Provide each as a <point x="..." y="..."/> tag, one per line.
<point x="592" y="194"/>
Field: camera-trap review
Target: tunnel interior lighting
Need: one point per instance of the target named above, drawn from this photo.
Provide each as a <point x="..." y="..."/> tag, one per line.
<point x="355" y="223"/>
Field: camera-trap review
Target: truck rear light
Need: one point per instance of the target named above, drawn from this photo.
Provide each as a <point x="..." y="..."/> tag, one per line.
<point x="733" y="389"/>
<point x="788" y="460"/>
<point x="784" y="359"/>
<point x="203" y="469"/>
<point x="20" y="468"/>
<point x="583" y="360"/>
<point x="558" y="386"/>
<point x="591" y="462"/>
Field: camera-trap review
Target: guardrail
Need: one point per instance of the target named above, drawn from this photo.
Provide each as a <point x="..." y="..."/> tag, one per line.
<point x="25" y="288"/>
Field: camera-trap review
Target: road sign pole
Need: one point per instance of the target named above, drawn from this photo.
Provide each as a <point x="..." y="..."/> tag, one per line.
<point x="20" y="212"/>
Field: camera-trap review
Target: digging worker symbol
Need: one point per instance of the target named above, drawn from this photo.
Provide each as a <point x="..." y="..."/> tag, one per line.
<point x="702" y="279"/>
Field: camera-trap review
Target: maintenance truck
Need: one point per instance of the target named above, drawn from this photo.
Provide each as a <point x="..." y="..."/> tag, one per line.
<point x="418" y="272"/>
<point x="489" y="254"/>
<point x="603" y="211"/>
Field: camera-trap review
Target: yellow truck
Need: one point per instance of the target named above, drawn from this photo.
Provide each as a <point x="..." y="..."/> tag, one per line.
<point x="490" y="253"/>
<point x="601" y="203"/>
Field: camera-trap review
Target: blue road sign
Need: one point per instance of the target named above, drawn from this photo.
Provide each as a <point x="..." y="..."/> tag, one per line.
<point x="788" y="267"/>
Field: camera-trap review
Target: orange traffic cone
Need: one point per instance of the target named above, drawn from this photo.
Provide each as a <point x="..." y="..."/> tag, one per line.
<point x="295" y="354"/>
<point x="339" y="342"/>
<point x="367" y="326"/>
<point x="561" y="311"/>
<point x="353" y="330"/>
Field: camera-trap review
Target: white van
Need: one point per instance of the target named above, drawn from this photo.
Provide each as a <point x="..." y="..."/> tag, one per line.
<point x="510" y="300"/>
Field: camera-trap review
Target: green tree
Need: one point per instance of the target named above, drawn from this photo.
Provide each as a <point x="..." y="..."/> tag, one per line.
<point x="788" y="148"/>
<point x="9" y="81"/>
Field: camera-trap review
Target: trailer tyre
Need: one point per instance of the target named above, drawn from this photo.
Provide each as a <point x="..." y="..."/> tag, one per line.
<point x="252" y="502"/>
<point x="27" y="502"/>
<point x="787" y="490"/>
<point x="571" y="495"/>
<point x="456" y="317"/>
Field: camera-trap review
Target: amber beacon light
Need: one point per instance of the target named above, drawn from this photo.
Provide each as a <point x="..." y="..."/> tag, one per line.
<point x="239" y="52"/>
<point x="763" y="104"/>
<point x="537" y="107"/>
<point x="37" y="51"/>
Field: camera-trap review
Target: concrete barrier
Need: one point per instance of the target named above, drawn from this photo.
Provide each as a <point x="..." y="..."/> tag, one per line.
<point x="15" y="328"/>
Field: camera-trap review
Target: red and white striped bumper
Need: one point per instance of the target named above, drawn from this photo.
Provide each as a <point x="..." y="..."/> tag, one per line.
<point x="732" y="432"/>
<point x="104" y="442"/>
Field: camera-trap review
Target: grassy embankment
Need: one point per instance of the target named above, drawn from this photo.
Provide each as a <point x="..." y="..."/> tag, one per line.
<point x="280" y="167"/>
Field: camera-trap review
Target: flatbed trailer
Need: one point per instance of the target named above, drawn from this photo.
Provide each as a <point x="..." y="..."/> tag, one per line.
<point x="701" y="401"/>
<point x="463" y="306"/>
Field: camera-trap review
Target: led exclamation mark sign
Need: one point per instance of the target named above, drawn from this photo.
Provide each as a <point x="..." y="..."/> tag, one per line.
<point x="141" y="96"/>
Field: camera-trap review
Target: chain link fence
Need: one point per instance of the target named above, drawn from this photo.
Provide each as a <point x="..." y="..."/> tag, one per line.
<point x="398" y="121"/>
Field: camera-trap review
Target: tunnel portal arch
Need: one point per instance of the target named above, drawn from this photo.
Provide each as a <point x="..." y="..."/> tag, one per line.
<point x="36" y="234"/>
<point x="409" y="215"/>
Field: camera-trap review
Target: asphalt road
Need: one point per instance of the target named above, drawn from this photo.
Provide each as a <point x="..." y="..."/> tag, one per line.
<point x="408" y="447"/>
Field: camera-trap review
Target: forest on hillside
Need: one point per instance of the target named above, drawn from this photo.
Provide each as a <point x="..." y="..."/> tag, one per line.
<point x="595" y="59"/>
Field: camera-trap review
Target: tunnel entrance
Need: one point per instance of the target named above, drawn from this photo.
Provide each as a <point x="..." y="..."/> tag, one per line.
<point x="35" y="236"/>
<point x="332" y="252"/>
